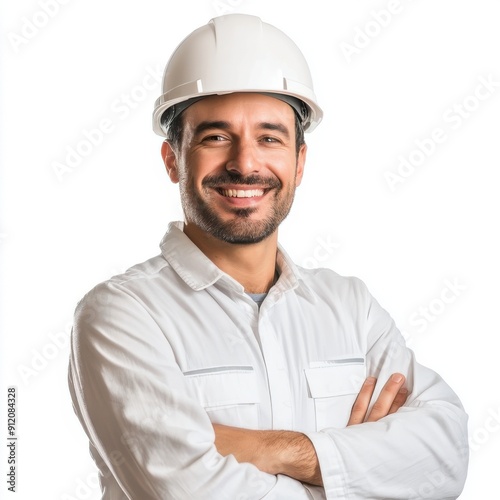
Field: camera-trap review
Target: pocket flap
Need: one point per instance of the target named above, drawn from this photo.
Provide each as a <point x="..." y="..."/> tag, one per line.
<point x="335" y="379"/>
<point x="224" y="385"/>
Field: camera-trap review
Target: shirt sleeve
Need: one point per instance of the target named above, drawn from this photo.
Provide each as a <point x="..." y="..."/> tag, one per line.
<point x="130" y="396"/>
<point x="421" y="451"/>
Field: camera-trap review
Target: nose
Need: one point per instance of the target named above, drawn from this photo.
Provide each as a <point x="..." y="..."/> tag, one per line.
<point x="244" y="158"/>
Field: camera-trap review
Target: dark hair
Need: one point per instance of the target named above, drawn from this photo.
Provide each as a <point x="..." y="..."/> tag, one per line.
<point x="172" y="124"/>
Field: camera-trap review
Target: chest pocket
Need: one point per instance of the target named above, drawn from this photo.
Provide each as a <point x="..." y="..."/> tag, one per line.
<point x="334" y="385"/>
<point x="229" y="394"/>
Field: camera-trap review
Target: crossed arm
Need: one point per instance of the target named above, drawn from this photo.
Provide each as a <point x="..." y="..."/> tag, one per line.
<point x="292" y="453"/>
<point x="155" y="439"/>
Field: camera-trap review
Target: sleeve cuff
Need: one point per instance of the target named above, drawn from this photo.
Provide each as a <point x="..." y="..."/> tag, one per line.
<point x="331" y="465"/>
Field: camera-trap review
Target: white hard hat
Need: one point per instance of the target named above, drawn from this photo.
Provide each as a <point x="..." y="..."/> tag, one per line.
<point x="237" y="53"/>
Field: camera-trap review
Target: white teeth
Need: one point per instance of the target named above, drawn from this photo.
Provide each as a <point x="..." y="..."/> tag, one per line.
<point x="240" y="193"/>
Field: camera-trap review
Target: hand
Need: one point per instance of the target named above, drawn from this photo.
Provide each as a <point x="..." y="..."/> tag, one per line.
<point x="392" y="397"/>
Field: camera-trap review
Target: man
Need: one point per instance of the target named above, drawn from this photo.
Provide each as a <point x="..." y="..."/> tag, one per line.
<point x="219" y="369"/>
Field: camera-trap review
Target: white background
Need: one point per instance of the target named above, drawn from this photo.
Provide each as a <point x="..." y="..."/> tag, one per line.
<point x="61" y="233"/>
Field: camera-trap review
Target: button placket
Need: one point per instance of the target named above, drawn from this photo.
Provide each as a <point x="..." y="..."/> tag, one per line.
<point x="278" y="379"/>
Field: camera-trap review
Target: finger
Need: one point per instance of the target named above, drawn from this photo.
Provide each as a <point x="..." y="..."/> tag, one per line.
<point x="399" y="400"/>
<point x="386" y="398"/>
<point x="362" y="402"/>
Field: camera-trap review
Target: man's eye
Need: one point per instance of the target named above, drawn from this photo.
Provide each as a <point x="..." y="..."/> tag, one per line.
<point x="270" y="139"/>
<point x="214" y="138"/>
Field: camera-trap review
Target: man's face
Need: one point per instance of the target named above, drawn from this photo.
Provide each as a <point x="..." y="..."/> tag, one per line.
<point x="237" y="166"/>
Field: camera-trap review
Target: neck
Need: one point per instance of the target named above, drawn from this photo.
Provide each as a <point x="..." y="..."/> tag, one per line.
<point x="253" y="265"/>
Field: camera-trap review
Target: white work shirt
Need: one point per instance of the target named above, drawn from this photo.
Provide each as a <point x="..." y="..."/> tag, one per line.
<point x="173" y="345"/>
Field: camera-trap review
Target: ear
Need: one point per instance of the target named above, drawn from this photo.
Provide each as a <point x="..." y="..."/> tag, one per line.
<point x="170" y="160"/>
<point x="301" y="161"/>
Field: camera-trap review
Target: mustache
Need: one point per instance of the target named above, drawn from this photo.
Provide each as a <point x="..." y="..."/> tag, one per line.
<point x="219" y="180"/>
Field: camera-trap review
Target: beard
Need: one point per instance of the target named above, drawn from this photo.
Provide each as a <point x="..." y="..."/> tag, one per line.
<point x="241" y="229"/>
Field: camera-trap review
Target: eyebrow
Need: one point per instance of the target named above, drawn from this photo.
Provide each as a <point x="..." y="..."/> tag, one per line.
<point x="208" y="125"/>
<point x="279" y="127"/>
<point x="223" y="125"/>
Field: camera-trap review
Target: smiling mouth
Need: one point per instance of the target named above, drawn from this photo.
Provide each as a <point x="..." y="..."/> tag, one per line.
<point x="242" y="193"/>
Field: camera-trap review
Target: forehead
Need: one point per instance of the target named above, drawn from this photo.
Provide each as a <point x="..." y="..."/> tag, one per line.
<point x="242" y="107"/>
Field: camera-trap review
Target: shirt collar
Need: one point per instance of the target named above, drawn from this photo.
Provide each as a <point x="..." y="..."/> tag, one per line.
<point x="187" y="260"/>
<point x="199" y="272"/>
<point x="291" y="276"/>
